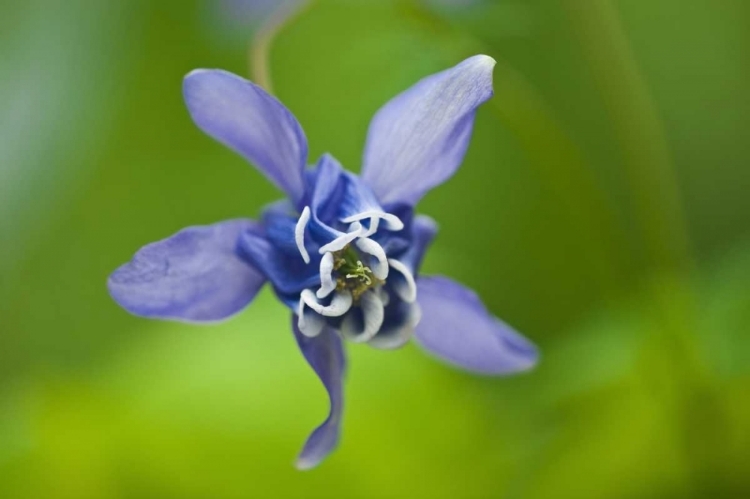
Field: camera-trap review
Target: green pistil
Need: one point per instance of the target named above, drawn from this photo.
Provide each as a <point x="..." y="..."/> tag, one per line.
<point x="352" y="274"/>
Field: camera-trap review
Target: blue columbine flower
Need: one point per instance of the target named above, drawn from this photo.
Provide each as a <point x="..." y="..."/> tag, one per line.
<point x="343" y="251"/>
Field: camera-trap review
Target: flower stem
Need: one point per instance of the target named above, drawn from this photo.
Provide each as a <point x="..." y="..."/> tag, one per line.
<point x="647" y="163"/>
<point x="260" y="46"/>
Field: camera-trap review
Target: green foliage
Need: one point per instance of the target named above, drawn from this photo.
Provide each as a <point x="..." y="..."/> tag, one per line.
<point x="642" y="386"/>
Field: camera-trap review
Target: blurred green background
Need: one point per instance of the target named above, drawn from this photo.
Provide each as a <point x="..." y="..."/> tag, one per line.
<point x="602" y="209"/>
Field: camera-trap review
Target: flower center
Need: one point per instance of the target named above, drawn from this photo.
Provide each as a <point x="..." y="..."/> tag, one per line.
<point x="352" y="274"/>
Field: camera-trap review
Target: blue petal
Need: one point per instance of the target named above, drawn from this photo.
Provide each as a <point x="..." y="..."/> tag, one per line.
<point x="398" y="324"/>
<point x="456" y="327"/>
<point x="423" y="231"/>
<point x="193" y="276"/>
<point x="325" y="354"/>
<point x="242" y="116"/>
<point x="338" y="199"/>
<point x="358" y="197"/>
<point x="418" y="139"/>
<point x="326" y="199"/>
<point x="280" y="221"/>
<point x="359" y="203"/>
<point x="288" y="273"/>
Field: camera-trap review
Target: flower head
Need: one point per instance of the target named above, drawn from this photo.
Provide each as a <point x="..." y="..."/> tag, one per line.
<point x="342" y="252"/>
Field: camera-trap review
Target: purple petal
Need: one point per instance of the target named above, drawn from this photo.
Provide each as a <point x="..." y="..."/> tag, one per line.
<point x="326" y="198"/>
<point x="418" y="139"/>
<point x="193" y="276"/>
<point x="325" y="354"/>
<point x="242" y="116"/>
<point x="280" y="223"/>
<point x="456" y="327"/>
<point x="398" y="325"/>
<point x="423" y="231"/>
<point x="288" y="273"/>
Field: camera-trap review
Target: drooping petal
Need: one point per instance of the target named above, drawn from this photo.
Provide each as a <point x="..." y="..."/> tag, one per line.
<point x="456" y="327"/>
<point x="245" y="118"/>
<point x="194" y="276"/>
<point x="325" y="354"/>
<point x="418" y="139"/>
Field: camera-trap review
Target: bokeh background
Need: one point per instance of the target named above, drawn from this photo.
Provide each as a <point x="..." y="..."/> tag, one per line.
<point x="602" y="209"/>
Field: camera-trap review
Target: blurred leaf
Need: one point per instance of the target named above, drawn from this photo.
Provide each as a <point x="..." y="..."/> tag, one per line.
<point x="96" y="403"/>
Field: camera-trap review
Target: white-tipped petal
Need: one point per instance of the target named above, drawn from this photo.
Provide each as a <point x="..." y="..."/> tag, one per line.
<point x="403" y="285"/>
<point x="309" y="323"/>
<point x="299" y="233"/>
<point x="390" y="221"/>
<point x="363" y="324"/>
<point x="355" y="230"/>
<point x="327" y="282"/>
<point x="340" y="303"/>
<point x="379" y="265"/>
<point x="389" y="339"/>
<point x="384" y="296"/>
<point x="374" y="222"/>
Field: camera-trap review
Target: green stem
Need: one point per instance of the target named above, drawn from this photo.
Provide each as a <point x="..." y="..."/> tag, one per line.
<point x="260" y="46"/>
<point x="647" y="163"/>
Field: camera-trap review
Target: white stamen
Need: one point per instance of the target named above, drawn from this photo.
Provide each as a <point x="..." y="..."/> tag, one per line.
<point x="338" y="244"/>
<point x="299" y="233"/>
<point x="340" y="303"/>
<point x="361" y="329"/>
<point x="308" y="322"/>
<point x="327" y="282"/>
<point x="405" y="288"/>
<point x="392" y="222"/>
<point x="380" y="265"/>
<point x="399" y="336"/>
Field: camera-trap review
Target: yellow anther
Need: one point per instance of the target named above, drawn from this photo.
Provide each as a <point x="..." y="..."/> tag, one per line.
<point x="354" y="276"/>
